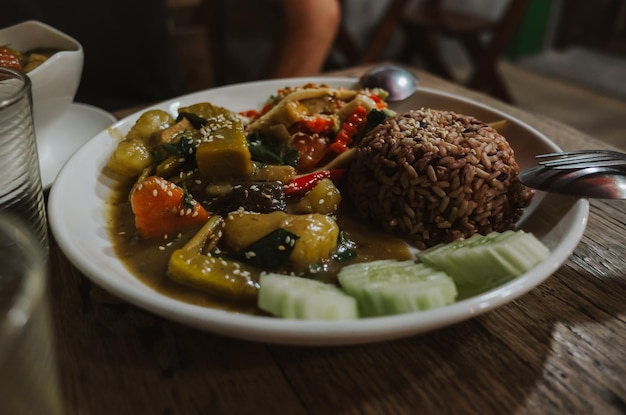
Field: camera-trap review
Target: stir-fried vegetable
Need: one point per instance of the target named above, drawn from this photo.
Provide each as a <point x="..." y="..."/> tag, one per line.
<point x="323" y="198"/>
<point x="316" y="236"/>
<point x="349" y="129"/>
<point x="303" y="184"/>
<point x="161" y="207"/>
<point x="321" y="122"/>
<point x="216" y="275"/>
<point x="259" y="171"/>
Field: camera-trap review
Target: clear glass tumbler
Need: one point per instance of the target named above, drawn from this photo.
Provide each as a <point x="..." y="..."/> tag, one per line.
<point x="20" y="181"/>
<point x="29" y="381"/>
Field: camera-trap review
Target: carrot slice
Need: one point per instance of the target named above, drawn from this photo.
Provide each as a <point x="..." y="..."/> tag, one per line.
<point x="160" y="207"/>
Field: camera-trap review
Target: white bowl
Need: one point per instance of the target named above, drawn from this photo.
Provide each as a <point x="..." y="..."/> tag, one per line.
<point x="54" y="82"/>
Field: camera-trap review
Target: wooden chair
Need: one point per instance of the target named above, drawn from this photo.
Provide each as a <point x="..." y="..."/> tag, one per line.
<point x="484" y="39"/>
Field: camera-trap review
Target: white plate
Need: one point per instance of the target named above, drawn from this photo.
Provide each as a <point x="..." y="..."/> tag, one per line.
<point x="81" y="231"/>
<point x="73" y="129"/>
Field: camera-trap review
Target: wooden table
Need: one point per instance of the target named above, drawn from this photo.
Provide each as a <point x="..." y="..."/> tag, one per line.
<point x="560" y="349"/>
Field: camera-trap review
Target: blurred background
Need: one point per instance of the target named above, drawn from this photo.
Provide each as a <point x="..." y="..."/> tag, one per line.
<point x="565" y="59"/>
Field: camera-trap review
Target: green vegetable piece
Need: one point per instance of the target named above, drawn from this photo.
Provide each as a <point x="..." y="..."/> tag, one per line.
<point x="194" y="119"/>
<point x="346" y="248"/>
<point x="266" y="149"/>
<point x="272" y="250"/>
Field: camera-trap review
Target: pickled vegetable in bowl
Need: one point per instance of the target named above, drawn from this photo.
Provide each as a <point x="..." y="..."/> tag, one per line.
<point x="24" y="61"/>
<point x="55" y="79"/>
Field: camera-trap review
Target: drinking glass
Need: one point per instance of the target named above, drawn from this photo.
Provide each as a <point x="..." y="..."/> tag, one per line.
<point x="28" y="373"/>
<point x="20" y="181"/>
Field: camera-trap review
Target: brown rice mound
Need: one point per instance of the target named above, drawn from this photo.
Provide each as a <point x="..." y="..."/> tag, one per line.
<point x="435" y="176"/>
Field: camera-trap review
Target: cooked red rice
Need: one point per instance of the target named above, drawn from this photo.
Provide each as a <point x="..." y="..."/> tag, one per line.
<point x="435" y="176"/>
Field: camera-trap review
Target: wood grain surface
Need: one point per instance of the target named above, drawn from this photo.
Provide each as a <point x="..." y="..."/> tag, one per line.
<point x="559" y="349"/>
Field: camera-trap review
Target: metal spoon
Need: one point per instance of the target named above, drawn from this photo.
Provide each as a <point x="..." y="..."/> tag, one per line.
<point x="591" y="182"/>
<point x="399" y="82"/>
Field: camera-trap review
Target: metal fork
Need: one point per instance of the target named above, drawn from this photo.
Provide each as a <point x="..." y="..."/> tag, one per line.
<point x="583" y="159"/>
<point x="583" y="173"/>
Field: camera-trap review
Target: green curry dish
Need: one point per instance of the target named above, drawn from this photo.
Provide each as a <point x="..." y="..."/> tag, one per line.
<point x="271" y="251"/>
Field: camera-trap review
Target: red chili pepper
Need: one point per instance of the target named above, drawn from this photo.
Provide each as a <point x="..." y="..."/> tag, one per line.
<point x="250" y="113"/>
<point x="266" y="108"/>
<point x="349" y="129"/>
<point x="307" y="182"/>
<point x="318" y="124"/>
<point x="380" y="104"/>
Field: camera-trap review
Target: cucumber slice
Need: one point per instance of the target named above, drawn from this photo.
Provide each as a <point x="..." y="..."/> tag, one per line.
<point x="302" y="298"/>
<point x="392" y="287"/>
<point x="487" y="260"/>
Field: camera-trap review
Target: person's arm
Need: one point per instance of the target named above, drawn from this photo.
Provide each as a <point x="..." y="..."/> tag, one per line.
<point x="309" y="30"/>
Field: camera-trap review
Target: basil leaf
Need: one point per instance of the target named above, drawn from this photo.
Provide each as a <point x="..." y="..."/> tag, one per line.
<point x="269" y="151"/>
<point x="346" y="248"/>
<point x="194" y="119"/>
<point x="271" y="251"/>
<point x="263" y="154"/>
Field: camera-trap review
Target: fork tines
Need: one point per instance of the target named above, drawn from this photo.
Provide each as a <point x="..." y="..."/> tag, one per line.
<point x="581" y="159"/>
